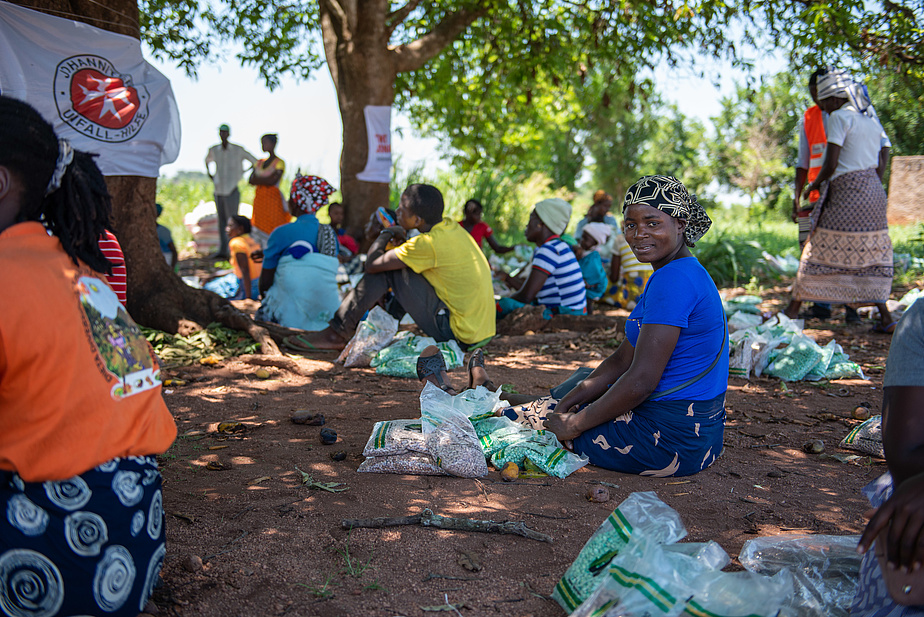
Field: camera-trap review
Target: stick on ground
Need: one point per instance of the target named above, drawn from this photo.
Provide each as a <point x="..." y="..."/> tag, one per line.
<point x="428" y="519"/>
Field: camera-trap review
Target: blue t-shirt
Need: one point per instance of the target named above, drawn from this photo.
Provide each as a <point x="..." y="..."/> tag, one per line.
<point x="682" y="294"/>
<point x="165" y="238"/>
<point x="594" y="275"/>
<point x="564" y="286"/>
<point x="303" y="230"/>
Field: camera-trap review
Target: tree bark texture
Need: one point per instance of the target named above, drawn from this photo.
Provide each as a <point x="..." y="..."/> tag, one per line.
<point x="157" y="297"/>
<point x="364" y="66"/>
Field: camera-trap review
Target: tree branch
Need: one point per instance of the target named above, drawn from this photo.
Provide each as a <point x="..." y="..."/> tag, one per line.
<point x="396" y="18"/>
<point x="338" y="18"/>
<point x="413" y="55"/>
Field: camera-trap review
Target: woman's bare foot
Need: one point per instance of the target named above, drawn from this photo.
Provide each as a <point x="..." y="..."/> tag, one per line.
<point x="325" y="340"/>
<point x="792" y="311"/>
<point x="432" y="368"/>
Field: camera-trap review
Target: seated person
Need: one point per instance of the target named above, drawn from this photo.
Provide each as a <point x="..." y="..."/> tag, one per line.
<point x="656" y="406"/>
<point x="628" y="276"/>
<point x="82" y="530"/>
<point x="439" y="277"/>
<point x="897" y="526"/>
<point x="478" y="228"/>
<point x="595" y="282"/>
<point x="555" y="280"/>
<point x="244" y="282"/>
<point x="348" y="245"/>
<point x="299" y="277"/>
<point x="165" y="239"/>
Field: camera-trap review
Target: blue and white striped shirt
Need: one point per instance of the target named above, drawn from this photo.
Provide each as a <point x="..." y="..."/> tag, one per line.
<point x="565" y="285"/>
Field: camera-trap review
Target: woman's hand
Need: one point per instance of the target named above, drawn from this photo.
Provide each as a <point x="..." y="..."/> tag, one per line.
<point x="811" y="187"/>
<point x="903" y="516"/>
<point x="563" y="425"/>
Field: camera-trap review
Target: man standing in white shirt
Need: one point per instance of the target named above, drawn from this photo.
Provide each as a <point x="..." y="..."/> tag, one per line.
<point x="229" y="169"/>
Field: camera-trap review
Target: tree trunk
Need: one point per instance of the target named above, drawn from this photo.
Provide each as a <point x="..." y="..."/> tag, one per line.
<point x="364" y="74"/>
<point x="157" y="297"/>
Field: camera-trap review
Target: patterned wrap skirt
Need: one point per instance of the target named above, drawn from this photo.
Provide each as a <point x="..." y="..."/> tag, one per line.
<point x="848" y="256"/>
<point x="657" y="438"/>
<point x="89" y="545"/>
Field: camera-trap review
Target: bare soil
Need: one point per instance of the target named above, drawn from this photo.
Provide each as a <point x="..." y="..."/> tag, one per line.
<point x="271" y="546"/>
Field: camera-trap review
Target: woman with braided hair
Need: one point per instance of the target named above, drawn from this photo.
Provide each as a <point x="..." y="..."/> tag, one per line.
<point x="656" y="407"/>
<point x="81" y="411"/>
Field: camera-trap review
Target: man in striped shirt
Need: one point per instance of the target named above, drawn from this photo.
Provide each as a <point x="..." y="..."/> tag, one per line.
<point x="555" y="280"/>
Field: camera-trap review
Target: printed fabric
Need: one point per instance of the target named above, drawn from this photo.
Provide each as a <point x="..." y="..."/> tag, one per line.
<point x="848" y="256"/>
<point x="872" y="598"/>
<point x="669" y="195"/>
<point x="92" y="544"/>
<point x="657" y="438"/>
<point x="564" y="286"/>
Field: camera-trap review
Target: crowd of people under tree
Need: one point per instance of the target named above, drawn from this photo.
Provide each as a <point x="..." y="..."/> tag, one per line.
<point x="654" y="407"/>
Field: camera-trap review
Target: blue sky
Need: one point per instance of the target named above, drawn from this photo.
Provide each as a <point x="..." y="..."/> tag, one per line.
<point x="307" y="119"/>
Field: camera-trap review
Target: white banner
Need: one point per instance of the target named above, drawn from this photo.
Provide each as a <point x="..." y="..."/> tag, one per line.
<point x="378" y="128"/>
<point x="93" y="86"/>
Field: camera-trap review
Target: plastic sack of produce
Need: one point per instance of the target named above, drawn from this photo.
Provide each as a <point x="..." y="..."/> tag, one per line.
<point x="399" y="358"/>
<point x="450" y="437"/>
<point x="742" y="321"/>
<point x="641" y="514"/>
<point x="747" y="304"/>
<point x="504" y="440"/>
<point x="825" y="569"/>
<point x="373" y="333"/>
<point x="796" y="360"/>
<point x="650" y="579"/>
<point x="866" y="438"/>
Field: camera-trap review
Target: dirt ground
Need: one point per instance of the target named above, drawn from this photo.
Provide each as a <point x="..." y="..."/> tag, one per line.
<point x="271" y="546"/>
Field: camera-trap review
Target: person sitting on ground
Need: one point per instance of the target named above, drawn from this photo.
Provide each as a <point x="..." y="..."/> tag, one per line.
<point x="555" y="280"/>
<point x="299" y="276"/>
<point x="897" y="526"/>
<point x="242" y="283"/>
<point x="595" y="282"/>
<point x="628" y="276"/>
<point x="656" y="406"/>
<point x="245" y="260"/>
<point x="83" y="526"/>
<point x="479" y="229"/>
<point x="439" y="277"/>
<point x="165" y="239"/>
<point x="348" y="245"/>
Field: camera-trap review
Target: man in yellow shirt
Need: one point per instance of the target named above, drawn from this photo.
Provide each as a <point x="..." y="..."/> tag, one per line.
<point x="440" y="278"/>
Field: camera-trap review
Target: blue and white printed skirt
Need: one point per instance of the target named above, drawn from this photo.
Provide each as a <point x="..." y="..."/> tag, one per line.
<point x="89" y="545"/>
<point x="657" y="438"/>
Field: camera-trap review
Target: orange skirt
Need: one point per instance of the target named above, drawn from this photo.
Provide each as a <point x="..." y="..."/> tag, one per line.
<point x="269" y="209"/>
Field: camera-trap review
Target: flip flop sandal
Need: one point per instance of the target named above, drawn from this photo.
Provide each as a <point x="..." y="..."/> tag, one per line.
<point x="477" y="359"/>
<point x="298" y="342"/>
<point x="881" y="329"/>
<point x="432" y="365"/>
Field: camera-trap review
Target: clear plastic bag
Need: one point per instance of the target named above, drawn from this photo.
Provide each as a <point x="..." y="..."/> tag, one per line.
<point x="373" y="333"/>
<point x="450" y="437"/>
<point x="504" y="440"/>
<point x="825" y="569"/>
<point x="797" y="359"/>
<point x="652" y="579"/>
<point x="399" y="358"/>
<point x="640" y="514"/>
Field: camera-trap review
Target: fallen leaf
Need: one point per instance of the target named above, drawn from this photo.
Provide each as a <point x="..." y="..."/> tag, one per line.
<point x="217" y="447"/>
<point x="259" y="480"/>
<point x="470" y="561"/>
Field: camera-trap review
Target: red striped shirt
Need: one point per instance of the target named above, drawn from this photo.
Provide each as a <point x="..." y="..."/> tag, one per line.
<point x="113" y="252"/>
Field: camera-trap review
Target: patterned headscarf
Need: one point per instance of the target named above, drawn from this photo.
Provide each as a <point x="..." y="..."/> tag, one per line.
<point x="385" y="218"/>
<point x="309" y="193"/>
<point x="838" y="83"/>
<point x="669" y="195"/>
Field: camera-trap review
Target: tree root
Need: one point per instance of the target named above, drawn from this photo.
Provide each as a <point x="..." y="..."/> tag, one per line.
<point x="428" y="519"/>
<point x="280" y="361"/>
<point x="229" y="316"/>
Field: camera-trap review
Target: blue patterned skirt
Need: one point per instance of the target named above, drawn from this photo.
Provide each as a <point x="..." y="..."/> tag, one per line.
<point x="657" y="438"/>
<point x="89" y="545"/>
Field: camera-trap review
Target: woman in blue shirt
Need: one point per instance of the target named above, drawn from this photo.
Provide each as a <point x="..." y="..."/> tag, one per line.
<point x="656" y="407"/>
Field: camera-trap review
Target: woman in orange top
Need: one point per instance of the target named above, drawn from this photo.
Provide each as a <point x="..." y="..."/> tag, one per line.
<point x="81" y="411"/>
<point x="269" y="206"/>
<point x="243" y="247"/>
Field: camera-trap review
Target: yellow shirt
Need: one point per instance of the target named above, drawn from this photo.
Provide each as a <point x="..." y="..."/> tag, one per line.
<point x="452" y="263"/>
<point x="247" y="245"/>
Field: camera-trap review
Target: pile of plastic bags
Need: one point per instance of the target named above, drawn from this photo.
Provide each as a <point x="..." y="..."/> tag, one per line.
<point x="456" y="434"/>
<point x="634" y="565"/>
